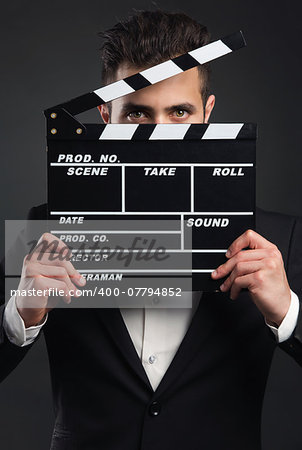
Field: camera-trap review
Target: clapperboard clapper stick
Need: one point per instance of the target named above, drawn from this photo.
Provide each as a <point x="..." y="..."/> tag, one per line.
<point x="200" y="175"/>
<point x="153" y="75"/>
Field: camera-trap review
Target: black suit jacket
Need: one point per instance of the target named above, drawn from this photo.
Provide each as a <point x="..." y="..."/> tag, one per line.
<point x="211" y="395"/>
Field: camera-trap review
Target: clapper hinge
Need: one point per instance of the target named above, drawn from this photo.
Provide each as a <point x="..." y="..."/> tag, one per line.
<point x="62" y="125"/>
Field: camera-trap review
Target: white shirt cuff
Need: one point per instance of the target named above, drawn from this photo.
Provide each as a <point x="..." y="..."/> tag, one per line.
<point x="288" y="324"/>
<point x="14" y="326"/>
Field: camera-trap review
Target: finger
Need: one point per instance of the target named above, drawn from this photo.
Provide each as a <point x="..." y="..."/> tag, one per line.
<point x="249" y="239"/>
<point x="53" y="272"/>
<point x="43" y="286"/>
<point x="57" y="286"/>
<point x="243" y="282"/>
<point x="60" y="285"/>
<point x="243" y="268"/>
<point x="244" y="255"/>
<point x="74" y="275"/>
<point x="49" y="243"/>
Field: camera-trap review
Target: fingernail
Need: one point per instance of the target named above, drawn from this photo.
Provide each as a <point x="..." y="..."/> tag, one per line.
<point x="214" y="273"/>
<point x="228" y="253"/>
<point x="82" y="281"/>
<point x="222" y="287"/>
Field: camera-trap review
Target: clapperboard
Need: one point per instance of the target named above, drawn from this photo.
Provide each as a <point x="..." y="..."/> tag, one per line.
<point x="194" y="183"/>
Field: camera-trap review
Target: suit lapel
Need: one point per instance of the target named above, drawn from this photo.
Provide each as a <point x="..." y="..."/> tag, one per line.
<point x="199" y="329"/>
<point x="112" y="320"/>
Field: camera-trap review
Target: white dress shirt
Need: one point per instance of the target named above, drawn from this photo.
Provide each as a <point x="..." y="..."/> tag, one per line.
<point x="156" y="332"/>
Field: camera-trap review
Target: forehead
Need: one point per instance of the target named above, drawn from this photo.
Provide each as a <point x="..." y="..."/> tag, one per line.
<point x="181" y="88"/>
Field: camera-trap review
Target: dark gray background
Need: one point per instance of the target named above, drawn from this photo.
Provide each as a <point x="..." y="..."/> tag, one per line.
<point x="50" y="54"/>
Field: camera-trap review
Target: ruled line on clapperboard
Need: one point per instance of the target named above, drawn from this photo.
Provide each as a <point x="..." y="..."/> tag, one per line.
<point x="144" y="164"/>
<point x="153" y="271"/>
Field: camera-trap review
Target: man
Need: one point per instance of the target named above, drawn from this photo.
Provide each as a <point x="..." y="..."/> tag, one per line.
<point x="165" y="378"/>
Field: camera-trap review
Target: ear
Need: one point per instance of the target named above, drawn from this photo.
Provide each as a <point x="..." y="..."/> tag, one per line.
<point x="104" y="113"/>
<point x="209" y="107"/>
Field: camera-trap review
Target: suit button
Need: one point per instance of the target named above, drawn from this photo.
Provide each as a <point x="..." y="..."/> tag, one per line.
<point x="154" y="409"/>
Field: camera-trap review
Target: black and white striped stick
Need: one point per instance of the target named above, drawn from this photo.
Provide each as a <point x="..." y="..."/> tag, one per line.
<point x="153" y="75"/>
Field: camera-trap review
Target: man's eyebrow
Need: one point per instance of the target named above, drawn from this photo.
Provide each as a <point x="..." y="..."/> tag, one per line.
<point x="129" y="106"/>
<point x="186" y="106"/>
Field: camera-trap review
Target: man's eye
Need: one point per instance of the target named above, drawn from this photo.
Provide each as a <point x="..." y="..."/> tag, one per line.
<point x="180" y="112"/>
<point x="136" y="114"/>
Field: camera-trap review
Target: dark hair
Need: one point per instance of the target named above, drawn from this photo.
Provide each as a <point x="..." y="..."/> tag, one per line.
<point x="147" y="38"/>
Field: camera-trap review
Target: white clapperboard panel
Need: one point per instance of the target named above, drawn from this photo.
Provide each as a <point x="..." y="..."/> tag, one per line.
<point x="199" y="177"/>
